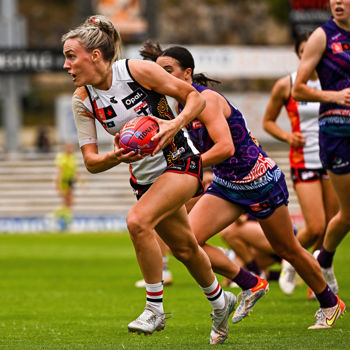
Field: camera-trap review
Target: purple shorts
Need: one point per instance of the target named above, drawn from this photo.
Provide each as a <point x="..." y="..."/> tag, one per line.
<point x="260" y="203"/>
<point x="335" y="153"/>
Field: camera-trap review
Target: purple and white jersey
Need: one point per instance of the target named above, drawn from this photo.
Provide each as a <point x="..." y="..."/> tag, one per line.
<point x="334" y="74"/>
<point x="249" y="167"/>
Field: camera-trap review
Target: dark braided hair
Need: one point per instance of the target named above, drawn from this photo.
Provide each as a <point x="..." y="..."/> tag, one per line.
<point x="185" y="59"/>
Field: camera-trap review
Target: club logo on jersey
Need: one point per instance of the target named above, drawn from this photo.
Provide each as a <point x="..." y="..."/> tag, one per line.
<point x="133" y="99"/>
<point x="142" y="109"/>
<point x="338" y="162"/>
<point x="340" y="47"/>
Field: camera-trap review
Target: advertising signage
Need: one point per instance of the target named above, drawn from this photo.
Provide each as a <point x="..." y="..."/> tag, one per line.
<point x="307" y="15"/>
<point x="17" y="60"/>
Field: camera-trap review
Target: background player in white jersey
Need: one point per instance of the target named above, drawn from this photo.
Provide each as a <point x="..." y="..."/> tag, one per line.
<point x="315" y="193"/>
<point x="113" y="92"/>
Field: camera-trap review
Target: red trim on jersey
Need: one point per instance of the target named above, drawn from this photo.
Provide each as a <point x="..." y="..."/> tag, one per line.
<point x="296" y="155"/>
<point x="131" y="174"/>
<point x="188" y="164"/>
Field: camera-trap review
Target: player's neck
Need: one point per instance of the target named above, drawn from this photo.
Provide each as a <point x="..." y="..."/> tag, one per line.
<point x="343" y="24"/>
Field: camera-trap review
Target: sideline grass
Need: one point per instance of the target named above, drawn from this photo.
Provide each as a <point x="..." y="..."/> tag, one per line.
<point x="77" y="292"/>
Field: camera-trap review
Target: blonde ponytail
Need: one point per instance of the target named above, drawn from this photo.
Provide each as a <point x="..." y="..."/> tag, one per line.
<point x="98" y="32"/>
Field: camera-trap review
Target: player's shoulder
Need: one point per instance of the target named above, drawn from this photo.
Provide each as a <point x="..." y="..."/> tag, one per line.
<point x="80" y="93"/>
<point x="317" y="39"/>
<point x="81" y="103"/>
<point x="211" y="95"/>
<point x="284" y="81"/>
<point x="283" y="84"/>
<point x="142" y="66"/>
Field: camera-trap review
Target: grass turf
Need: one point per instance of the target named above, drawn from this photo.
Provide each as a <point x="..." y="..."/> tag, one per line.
<point x="62" y="291"/>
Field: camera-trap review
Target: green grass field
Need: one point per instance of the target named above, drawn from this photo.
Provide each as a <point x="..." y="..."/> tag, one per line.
<point x="76" y="291"/>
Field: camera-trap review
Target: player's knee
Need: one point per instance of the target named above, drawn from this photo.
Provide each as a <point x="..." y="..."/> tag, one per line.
<point x="345" y="219"/>
<point x="286" y="252"/>
<point x="316" y="231"/>
<point x="185" y="252"/>
<point x="224" y="235"/>
<point x="201" y="242"/>
<point x="135" y="223"/>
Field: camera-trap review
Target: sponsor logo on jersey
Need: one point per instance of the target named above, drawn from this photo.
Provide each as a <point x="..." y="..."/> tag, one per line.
<point x="307" y="175"/>
<point x="113" y="100"/>
<point x="133" y="99"/>
<point x="177" y="153"/>
<point x="340" y="47"/>
<point x="260" y="207"/>
<point x="105" y="113"/>
<point x="196" y="124"/>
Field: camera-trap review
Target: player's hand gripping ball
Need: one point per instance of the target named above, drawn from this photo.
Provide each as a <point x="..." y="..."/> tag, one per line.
<point x="136" y="135"/>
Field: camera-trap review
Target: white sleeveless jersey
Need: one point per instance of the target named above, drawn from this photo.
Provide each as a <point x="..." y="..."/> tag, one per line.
<point x="304" y="118"/>
<point x="125" y="100"/>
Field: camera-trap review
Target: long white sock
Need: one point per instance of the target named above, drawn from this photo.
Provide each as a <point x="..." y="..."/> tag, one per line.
<point x="215" y="295"/>
<point x="155" y="296"/>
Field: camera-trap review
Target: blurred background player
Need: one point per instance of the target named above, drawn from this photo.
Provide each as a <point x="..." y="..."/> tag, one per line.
<point x="245" y="179"/>
<point x="327" y="51"/>
<point x="315" y="194"/>
<point x="65" y="179"/>
<point x="43" y="139"/>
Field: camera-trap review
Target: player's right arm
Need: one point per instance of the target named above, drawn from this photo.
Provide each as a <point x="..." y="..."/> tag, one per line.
<point x="93" y="160"/>
<point x="279" y="97"/>
<point x="153" y="77"/>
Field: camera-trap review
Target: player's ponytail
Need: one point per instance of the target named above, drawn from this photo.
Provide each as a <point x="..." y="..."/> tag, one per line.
<point x="202" y="79"/>
<point x="151" y="51"/>
<point x="98" y="32"/>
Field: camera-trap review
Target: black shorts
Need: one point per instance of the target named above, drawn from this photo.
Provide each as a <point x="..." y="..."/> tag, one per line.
<point x="307" y="175"/>
<point x="191" y="165"/>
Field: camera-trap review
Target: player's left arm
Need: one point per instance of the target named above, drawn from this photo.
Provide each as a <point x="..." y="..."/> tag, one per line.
<point x="154" y="77"/>
<point x="213" y="117"/>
